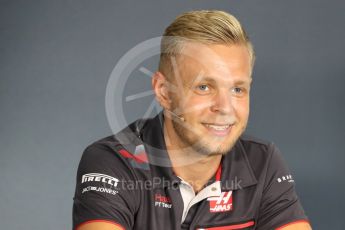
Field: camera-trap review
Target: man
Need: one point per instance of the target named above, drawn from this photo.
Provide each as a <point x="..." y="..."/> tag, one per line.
<point x="190" y="167"/>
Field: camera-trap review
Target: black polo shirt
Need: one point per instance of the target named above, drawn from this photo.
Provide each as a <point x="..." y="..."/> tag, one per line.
<point x="127" y="179"/>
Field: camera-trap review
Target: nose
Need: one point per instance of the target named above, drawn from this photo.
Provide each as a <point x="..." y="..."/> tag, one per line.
<point x="222" y="103"/>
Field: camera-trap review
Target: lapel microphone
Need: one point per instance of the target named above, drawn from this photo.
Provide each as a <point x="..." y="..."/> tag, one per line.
<point x="175" y="115"/>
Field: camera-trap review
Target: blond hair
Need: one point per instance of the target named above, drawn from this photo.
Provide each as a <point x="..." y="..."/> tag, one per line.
<point x="202" y="26"/>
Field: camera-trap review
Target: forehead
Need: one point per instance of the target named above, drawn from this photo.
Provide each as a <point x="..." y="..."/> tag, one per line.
<point x="217" y="62"/>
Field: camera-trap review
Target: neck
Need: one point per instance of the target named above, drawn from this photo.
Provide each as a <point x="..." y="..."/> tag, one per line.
<point x="199" y="173"/>
<point x="191" y="166"/>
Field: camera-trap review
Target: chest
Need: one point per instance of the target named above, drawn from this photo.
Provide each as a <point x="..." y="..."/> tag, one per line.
<point x="166" y="209"/>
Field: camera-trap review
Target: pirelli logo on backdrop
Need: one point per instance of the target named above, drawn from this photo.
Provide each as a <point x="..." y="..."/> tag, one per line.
<point x="90" y="177"/>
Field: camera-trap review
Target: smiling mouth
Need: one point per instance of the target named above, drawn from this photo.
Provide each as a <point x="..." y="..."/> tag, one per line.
<point x="218" y="129"/>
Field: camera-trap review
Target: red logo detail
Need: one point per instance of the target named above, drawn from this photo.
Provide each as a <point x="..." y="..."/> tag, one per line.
<point x="160" y="198"/>
<point x="162" y="201"/>
<point x="139" y="158"/>
<point x="222" y="203"/>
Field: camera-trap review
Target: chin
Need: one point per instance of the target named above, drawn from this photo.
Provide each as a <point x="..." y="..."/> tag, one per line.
<point x="224" y="146"/>
<point x="204" y="148"/>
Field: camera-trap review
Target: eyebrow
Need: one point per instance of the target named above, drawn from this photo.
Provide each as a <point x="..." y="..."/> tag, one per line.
<point x="211" y="80"/>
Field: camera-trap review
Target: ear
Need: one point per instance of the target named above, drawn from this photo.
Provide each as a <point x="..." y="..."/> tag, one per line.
<point x="160" y="88"/>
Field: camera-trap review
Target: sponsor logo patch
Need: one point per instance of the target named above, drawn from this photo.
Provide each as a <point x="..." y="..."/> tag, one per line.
<point x="108" y="183"/>
<point x="99" y="189"/>
<point x="222" y="203"/>
<point x="287" y="178"/>
<point x="100" y="178"/>
<point x="162" y="201"/>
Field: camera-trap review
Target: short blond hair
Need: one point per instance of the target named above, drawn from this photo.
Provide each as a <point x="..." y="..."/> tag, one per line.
<point x="201" y="26"/>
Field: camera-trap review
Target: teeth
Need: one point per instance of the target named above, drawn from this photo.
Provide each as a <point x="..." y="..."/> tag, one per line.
<point x="218" y="127"/>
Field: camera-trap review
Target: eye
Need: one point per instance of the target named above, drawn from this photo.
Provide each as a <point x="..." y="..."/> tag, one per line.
<point x="237" y="90"/>
<point x="203" y="87"/>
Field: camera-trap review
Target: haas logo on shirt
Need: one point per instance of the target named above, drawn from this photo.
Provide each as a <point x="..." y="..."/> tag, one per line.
<point x="222" y="203"/>
<point x="162" y="201"/>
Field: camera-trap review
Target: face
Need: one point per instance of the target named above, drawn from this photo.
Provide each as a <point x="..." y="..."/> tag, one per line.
<point x="210" y="90"/>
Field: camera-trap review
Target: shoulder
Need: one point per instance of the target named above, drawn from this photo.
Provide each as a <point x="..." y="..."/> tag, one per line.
<point x="122" y="153"/>
<point x="102" y="157"/>
<point x="102" y="150"/>
<point x="255" y="147"/>
<point x="262" y="154"/>
<point x="104" y="185"/>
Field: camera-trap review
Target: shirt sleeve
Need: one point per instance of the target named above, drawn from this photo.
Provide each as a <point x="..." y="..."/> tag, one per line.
<point x="103" y="191"/>
<point x="280" y="204"/>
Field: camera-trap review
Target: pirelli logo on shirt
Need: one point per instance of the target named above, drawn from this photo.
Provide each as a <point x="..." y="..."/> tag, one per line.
<point x="99" y="178"/>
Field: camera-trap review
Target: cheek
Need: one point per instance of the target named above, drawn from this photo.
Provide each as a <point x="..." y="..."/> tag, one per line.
<point x="195" y="105"/>
<point x="242" y="108"/>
